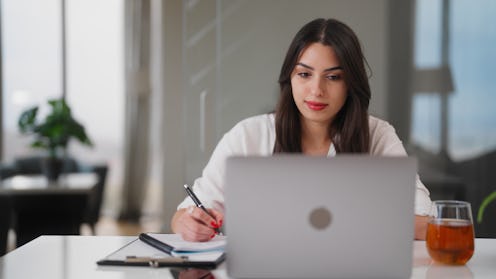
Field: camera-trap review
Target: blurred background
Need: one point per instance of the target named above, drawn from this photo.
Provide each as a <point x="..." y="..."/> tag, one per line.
<point x="157" y="83"/>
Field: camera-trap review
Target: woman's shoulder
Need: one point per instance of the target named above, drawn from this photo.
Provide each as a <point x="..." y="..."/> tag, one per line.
<point x="383" y="138"/>
<point x="254" y="135"/>
<point x="377" y="125"/>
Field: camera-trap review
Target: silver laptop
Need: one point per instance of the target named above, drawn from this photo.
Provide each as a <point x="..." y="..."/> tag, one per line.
<point x="294" y="216"/>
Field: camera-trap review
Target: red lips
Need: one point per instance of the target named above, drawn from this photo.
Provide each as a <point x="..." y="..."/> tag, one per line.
<point x="315" y="105"/>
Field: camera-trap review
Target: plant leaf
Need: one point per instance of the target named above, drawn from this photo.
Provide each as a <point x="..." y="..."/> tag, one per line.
<point x="56" y="130"/>
<point x="484" y="204"/>
<point x="27" y="120"/>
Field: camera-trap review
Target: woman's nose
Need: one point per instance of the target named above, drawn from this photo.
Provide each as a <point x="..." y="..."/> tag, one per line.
<point x="317" y="87"/>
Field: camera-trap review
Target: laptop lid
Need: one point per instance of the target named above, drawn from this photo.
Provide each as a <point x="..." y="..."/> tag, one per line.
<point x="293" y="216"/>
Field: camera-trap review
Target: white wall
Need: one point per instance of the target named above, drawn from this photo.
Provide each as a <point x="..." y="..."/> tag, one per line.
<point x="231" y="56"/>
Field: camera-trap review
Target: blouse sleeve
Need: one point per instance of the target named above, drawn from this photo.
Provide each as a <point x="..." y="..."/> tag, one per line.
<point x="252" y="136"/>
<point x="209" y="187"/>
<point x="385" y="142"/>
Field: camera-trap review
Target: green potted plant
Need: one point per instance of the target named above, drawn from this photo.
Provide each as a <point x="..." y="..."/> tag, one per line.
<point x="53" y="133"/>
<point x="487" y="200"/>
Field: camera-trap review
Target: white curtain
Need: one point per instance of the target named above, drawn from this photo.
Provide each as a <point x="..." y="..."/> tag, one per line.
<point x="138" y="92"/>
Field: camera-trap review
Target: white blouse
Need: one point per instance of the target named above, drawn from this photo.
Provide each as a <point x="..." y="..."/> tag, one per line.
<point x="256" y="136"/>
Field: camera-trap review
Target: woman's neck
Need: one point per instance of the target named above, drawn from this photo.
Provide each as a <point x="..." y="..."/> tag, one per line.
<point x="315" y="138"/>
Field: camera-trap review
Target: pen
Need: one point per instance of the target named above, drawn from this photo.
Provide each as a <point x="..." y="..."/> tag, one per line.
<point x="198" y="203"/>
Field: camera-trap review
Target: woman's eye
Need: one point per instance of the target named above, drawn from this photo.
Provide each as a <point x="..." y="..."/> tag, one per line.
<point x="333" y="77"/>
<point x="303" y="74"/>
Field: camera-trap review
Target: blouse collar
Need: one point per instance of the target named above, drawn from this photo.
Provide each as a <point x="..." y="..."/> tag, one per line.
<point x="332" y="151"/>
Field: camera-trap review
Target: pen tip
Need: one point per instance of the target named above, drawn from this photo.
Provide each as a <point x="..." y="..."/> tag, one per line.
<point x="186" y="186"/>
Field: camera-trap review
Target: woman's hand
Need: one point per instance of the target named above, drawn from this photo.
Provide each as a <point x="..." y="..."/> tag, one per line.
<point x="421" y="227"/>
<point x="194" y="224"/>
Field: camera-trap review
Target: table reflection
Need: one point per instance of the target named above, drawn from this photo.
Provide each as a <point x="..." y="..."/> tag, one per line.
<point x="192" y="273"/>
<point x="437" y="270"/>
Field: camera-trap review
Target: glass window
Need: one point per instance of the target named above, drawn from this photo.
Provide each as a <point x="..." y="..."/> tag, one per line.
<point x="32" y="57"/>
<point x="31" y="63"/>
<point x="426" y="123"/>
<point x="95" y="84"/>
<point x="472" y="115"/>
<point x="471" y="121"/>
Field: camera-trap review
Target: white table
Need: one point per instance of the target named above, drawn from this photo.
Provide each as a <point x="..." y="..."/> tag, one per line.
<point x="72" y="257"/>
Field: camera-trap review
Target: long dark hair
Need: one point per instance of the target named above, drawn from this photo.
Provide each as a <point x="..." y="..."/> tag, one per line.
<point x="350" y="129"/>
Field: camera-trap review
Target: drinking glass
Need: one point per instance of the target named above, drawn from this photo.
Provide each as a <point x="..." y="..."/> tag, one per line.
<point x="450" y="232"/>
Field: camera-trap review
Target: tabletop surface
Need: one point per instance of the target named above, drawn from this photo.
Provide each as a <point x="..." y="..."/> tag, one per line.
<point x="75" y="257"/>
<point x="39" y="184"/>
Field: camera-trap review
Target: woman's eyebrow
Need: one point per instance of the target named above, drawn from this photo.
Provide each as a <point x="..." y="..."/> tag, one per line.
<point x="326" y="70"/>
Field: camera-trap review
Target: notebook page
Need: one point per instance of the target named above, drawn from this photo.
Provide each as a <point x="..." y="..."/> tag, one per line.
<point x="181" y="245"/>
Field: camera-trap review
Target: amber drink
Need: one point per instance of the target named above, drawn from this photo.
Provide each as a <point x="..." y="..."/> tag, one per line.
<point x="450" y="233"/>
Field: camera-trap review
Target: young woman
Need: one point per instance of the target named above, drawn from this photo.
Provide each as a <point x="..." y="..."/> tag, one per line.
<point x="322" y="110"/>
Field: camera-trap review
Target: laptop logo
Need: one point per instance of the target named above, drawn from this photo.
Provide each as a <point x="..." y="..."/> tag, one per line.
<point x="320" y="218"/>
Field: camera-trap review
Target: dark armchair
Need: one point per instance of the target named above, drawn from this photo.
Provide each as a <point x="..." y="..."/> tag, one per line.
<point x="87" y="210"/>
<point x="5" y="216"/>
<point x="92" y="213"/>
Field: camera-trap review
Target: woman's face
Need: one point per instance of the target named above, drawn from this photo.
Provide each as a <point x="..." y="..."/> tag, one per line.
<point x="318" y="84"/>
